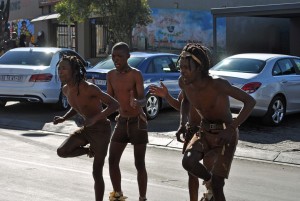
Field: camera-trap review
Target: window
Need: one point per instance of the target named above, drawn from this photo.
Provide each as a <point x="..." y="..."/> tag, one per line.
<point x="242" y="65"/>
<point x="63" y="36"/>
<point x="286" y="66"/>
<point x="162" y="65"/>
<point x="297" y="62"/>
<point x="32" y="58"/>
<point x="276" y="70"/>
<point x="109" y="64"/>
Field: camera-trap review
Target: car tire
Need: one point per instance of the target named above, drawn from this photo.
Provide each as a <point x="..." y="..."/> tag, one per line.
<point x="2" y="103"/>
<point x="62" y="103"/>
<point x="276" y="112"/>
<point x="152" y="106"/>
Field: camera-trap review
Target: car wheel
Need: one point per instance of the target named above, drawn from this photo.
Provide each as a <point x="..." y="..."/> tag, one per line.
<point x="2" y="103"/>
<point x="152" y="106"/>
<point x="62" y="103"/>
<point x="276" y="112"/>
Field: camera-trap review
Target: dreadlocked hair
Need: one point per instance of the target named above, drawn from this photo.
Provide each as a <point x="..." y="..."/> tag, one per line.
<point x="78" y="69"/>
<point x="202" y="54"/>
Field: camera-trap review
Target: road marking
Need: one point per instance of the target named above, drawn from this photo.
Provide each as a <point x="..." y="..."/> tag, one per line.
<point x="88" y="173"/>
<point x="43" y="165"/>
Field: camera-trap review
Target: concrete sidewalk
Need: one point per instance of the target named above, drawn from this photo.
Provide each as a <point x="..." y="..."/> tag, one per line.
<point x="161" y="140"/>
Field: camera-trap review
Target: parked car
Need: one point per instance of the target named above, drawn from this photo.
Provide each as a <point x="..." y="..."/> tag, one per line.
<point x="29" y="74"/>
<point x="273" y="80"/>
<point x="155" y="67"/>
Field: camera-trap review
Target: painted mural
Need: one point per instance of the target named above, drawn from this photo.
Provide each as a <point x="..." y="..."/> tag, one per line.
<point x="173" y="28"/>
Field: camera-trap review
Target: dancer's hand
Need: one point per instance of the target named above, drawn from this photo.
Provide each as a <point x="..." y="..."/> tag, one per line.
<point x="133" y="101"/>
<point x="161" y="91"/>
<point x="58" y="119"/>
<point x="181" y="133"/>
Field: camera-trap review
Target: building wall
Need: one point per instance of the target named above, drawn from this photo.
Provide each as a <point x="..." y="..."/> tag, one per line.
<point x="252" y="34"/>
<point x="208" y="4"/>
<point x="26" y="10"/>
<point x="239" y="30"/>
<point x="247" y="34"/>
<point x="84" y="40"/>
<point x="294" y="34"/>
<point x="20" y="9"/>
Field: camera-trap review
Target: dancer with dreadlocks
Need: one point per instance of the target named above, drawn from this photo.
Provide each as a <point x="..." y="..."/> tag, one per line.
<point x="86" y="100"/>
<point x="216" y="140"/>
<point x="191" y="128"/>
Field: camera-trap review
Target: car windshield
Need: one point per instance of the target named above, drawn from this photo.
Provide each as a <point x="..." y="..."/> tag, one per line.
<point x="109" y="64"/>
<point x="241" y="65"/>
<point x="26" y="58"/>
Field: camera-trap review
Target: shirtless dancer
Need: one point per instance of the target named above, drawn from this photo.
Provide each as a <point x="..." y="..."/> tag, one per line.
<point x="127" y="86"/>
<point x="216" y="140"/>
<point x="86" y="99"/>
<point x="191" y="128"/>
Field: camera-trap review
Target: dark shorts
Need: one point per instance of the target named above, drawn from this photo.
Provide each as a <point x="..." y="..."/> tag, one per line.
<point x="130" y="129"/>
<point x="217" y="158"/>
<point x="191" y="130"/>
<point x="97" y="135"/>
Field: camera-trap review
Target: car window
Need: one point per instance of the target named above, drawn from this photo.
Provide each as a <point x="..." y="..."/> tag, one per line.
<point x="286" y="66"/>
<point x="31" y="58"/>
<point x="174" y="60"/>
<point x="109" y="64"/>
<point x="162" y="65"/>
<point x="242" y="65"/>
<point x="297" y="62"/>
<point x="135" y="61"/>
<point x="276" y="70"/>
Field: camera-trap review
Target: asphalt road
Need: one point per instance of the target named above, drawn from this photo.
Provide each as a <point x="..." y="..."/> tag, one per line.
<point x="285" y="138"/>
<point x="31" y="171"/>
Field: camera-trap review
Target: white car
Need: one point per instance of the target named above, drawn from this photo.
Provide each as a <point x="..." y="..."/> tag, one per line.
<point x="29" y="74"/>
<point x="273" y="80"/>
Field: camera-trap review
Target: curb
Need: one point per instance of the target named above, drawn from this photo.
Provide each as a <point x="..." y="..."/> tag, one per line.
<point x="160" y="140"/>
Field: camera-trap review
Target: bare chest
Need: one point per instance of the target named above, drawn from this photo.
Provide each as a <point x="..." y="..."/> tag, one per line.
<point x="206" y="101"/>
<point x="79" y="101"/>
<point x="123" y="83"/>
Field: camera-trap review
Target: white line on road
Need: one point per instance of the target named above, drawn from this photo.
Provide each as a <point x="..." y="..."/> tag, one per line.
<point x="87" y="173"/>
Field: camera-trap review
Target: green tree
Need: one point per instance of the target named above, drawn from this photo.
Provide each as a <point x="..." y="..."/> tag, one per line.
<point x="120" y="16"/>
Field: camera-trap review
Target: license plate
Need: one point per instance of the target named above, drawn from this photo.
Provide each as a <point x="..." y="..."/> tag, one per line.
<point x="15" y="78"/>
<point x="98" y="82"/>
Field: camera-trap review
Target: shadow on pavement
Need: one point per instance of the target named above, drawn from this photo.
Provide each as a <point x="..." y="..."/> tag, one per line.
<point x="253" y="131"/>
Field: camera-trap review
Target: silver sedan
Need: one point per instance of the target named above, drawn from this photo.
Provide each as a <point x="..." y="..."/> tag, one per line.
<point x="29" y="74"/>
<point x="272" y="79"/>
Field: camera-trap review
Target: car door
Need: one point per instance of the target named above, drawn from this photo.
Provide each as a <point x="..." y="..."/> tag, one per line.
<point x="296" y="80"/>
<point x="290" y="82"/>
<point x="163" y="68"/>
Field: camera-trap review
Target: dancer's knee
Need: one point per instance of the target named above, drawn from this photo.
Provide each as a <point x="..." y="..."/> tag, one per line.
<point x="97" y="175"/>
<point x="113" y="161"/>
<point x="140" y="165"/>
<point x="98" y="169"/>
<point x="62" y="152"/>
<point x="189" y="160"/>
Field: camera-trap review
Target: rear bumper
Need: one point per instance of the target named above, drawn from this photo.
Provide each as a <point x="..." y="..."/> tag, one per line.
<point x="32" y="99"/>
<point x="48" y="95"/>
<point x="259" y="110"/>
